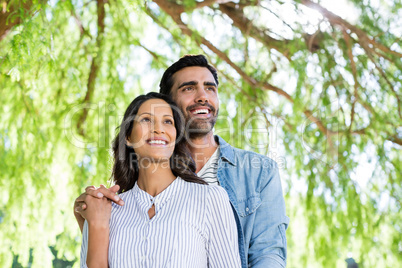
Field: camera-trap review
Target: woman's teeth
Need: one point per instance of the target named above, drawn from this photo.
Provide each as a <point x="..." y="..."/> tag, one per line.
<point x="157" y="142"/>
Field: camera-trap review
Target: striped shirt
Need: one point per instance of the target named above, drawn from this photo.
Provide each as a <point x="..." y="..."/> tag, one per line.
<point x="210" y="170"/>
<point x="193" y="226"/>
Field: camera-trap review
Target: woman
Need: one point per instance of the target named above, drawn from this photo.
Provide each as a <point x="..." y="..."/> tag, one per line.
<point x="171" y="218"/>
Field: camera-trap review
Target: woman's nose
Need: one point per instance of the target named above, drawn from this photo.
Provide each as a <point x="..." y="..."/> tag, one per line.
<point x="158" y="128"/>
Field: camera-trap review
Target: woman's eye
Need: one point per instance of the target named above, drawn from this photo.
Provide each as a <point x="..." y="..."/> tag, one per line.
<point x="169" y="122"/>
<point x="145" y="119"/>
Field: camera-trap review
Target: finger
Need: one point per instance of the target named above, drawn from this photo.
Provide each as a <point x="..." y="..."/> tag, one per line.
<point x="80" y="202"/>
<point x="102" y="191"/>
<point x="111" y="194"/>
<point x="94" y="192"/>
<point x="81" y="198"/>
<point x="115" y="188"/>
<point x="80" y="209"/>
<point x="90" y="187"/>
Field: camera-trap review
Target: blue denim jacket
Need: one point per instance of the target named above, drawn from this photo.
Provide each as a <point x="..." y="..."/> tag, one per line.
<point x="254" y="188"/>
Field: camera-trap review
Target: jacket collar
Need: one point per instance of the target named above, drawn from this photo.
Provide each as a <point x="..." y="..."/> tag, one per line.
<point x="226" y="151"/>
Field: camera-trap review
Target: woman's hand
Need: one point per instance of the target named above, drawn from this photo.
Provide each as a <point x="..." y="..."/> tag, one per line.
<point x="101" y="192"/>
<point x="97" y="211"/>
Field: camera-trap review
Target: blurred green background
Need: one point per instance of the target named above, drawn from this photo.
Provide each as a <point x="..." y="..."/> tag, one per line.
<point x="315" y="85"/>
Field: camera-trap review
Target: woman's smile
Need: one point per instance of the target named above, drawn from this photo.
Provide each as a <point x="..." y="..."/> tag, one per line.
<point x="157" y="142"/>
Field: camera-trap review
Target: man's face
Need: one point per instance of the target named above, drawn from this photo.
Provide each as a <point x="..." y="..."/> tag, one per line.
<point x="196" y="93"/>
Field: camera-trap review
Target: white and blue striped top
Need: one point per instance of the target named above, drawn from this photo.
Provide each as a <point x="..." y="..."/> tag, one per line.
<point x="193" y="226"/>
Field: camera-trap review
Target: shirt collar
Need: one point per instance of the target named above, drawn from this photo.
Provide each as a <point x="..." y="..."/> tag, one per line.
<point x="146" y="200"/>
<point x="226" y="151"/>
<point x="213" y="160"/>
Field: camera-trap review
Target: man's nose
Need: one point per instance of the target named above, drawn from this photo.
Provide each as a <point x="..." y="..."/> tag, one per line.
<point x="202" y="96"/>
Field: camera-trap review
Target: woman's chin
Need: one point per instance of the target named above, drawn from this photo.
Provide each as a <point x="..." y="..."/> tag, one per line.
<point x="162" y="160"/>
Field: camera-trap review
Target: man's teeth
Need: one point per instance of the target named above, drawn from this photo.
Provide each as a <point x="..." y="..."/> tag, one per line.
<point x="201" y="111"/>
<point x="157" y="142"/>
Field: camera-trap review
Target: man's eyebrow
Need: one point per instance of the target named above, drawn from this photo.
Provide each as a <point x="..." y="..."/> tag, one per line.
<point x="189" y="83"/>
<point x="209" y="84"/>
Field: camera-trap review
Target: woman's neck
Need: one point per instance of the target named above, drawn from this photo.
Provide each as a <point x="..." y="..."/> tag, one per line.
<point x="155" y="178"/>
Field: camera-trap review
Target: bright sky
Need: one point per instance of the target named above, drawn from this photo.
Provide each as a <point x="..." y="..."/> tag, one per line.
<point x="342" y="8"/>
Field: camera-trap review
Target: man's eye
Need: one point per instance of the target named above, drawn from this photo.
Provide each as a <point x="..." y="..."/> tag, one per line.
<point x="187" y="88"/>
<point x="211" y="88"/>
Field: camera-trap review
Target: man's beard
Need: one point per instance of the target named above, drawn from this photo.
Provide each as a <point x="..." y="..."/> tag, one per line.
<point x="199" y="127"/>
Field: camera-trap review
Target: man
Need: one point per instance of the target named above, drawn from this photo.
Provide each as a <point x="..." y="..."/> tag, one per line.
<point x="251" y="180"/>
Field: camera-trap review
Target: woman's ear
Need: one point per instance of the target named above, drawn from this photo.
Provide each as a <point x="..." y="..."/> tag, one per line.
<point x="128" y="142"/>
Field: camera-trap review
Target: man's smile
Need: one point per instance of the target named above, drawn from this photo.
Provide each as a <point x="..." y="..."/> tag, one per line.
<point x="201" y="111"/>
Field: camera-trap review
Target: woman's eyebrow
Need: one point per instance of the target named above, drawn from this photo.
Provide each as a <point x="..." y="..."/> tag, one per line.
<point x="153" y="114"/>
<point x="145" y="113"/>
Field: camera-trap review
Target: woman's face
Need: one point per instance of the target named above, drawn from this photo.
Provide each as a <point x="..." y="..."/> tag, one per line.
<point x="153" y="135"/>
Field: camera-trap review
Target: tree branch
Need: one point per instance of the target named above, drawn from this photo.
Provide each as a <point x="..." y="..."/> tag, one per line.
<point x="385" y="77"/>
<point x="155" y="19"/>
<point x="251" y="98"/>
<point x="173" y="10"/>
<point x="395" y="139"/>
<point x="336" y="20"/>
<point x="94" y="65"/>
<point x="204" y="4"/>
<point x="162" y="25"/>
<point x="354" y="73"/>
<point x="170" y="9"/>
<point x="248" y="28"/>
<point x="11" y="14"/>
<point x="78" y="21"/>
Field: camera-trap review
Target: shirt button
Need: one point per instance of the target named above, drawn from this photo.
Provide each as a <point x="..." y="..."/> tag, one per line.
<point x="246" y="209"/>
<point x="144" y="238"/>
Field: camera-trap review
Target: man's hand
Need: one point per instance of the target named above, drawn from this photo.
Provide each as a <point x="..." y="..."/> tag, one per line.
<point x="102" y="191"/>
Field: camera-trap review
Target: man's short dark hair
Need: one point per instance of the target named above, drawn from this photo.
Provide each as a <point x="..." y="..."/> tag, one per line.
<point x="166" y="83"/>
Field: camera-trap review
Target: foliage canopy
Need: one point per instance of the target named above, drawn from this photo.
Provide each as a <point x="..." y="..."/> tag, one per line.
<point x="316" y="91"/>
